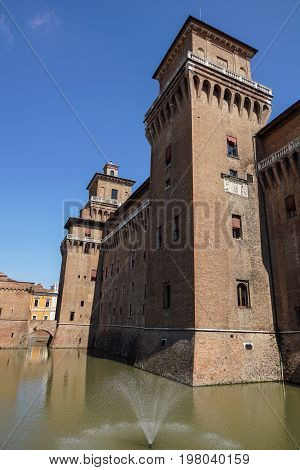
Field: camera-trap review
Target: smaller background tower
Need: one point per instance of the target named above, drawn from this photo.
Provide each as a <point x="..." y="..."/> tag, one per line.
<point x="80" y="254"/>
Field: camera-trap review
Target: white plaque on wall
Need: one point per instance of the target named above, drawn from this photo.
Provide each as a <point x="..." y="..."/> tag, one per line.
<point x="236" y="187"/>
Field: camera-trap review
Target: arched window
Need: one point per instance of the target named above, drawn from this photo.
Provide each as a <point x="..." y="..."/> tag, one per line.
<point x="112" y="173"/>
<point x="201" y="52"/>
<point x="243" y="296"/>
<point x="243" y="72"/>
<point x="290" y="205"/>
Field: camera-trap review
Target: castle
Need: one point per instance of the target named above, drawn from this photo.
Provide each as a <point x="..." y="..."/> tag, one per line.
<point x="196" y="274"/>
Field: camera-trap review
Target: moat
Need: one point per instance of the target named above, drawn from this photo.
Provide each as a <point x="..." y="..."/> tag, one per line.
<point x="67" y="399"/>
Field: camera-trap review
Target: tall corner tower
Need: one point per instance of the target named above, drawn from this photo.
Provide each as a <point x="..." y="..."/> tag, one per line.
<point x="80" y="255"/>
<point x="218" y="320"/>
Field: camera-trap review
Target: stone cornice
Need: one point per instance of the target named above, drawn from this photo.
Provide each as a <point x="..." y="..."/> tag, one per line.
<point x="279" y="154"/>
<point x="117" y="179"/>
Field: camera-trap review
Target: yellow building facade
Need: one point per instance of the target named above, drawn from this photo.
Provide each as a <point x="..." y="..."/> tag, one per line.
<point x="43" y="303"/>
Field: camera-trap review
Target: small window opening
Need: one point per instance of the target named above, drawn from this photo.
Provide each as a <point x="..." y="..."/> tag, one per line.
<point x="233" y="173"/>
<point x="82" y="303"/>
<point x="72" y="316"/>
<point x="159" y="237"/>
<point x="236" y="226"/>
<point x="290" y="205"/>
<point x="168" y="155"/>
<point x="176" y="231"/>
<point x="167" y="296"/>
<point x="243" y="296"/>
<point x="232" y="149"/>
<point x="163" y="342"/>
<point x="248" y="345"/>
<point x="114" y="194"/>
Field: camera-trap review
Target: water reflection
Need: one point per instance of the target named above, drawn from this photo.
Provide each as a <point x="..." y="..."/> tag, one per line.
<point x="67" y="399"/>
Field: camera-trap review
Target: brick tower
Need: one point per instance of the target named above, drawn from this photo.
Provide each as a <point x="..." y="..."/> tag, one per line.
<point x="211" y="318"/>
<point x="80" y="254"/>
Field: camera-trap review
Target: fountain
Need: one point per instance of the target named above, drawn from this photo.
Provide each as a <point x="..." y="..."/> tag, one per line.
<point x="150" y="397"/>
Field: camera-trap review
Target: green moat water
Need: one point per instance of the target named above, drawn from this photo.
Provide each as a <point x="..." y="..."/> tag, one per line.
<point x="66" y="399"/>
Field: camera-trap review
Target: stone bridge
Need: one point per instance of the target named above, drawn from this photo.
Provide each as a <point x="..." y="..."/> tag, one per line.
<point x="41" y="331"/>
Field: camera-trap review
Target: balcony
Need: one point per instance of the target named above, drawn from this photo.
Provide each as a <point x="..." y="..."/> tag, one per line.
<point x="281" y="153"/>
<point x="229" y="73"/>
<point x="213" y="66"/>
<point x="102" y="200"/>
<point x="82" y="239"/>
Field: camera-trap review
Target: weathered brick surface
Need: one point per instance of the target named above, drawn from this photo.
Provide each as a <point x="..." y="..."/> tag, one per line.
<point x="200" y="339"/>
<point x="15" y="311"/>
<point x="281" y="179"/>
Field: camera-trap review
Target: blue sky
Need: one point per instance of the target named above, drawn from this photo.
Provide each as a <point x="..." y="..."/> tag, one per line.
<point x="102" y="55"/>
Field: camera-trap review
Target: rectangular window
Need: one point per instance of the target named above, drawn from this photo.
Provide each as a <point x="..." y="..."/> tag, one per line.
<point x="233" y="173"/>
<point x="232" y="149"/>
<point x="82" y="303"/>
<point x="47" y="304"/>
<point x="236" y="226"/>
<point x="130" y="310"/>
<point x="72" y="316"/>
<point x="249" y="178"/>
<point x="46" y="317"/>
<point x="87" y="232"/>
<point x="290" y="205"/>
<point x="168" y="155"/>
<point x="159" y="237"/>
<point x="36" y="302"/>
<point x="176" y="231"/>
<point x="144" y="308"/>
<point x="167" y="296"/>
<point x="132" y="262"/>
<point x="94" y="275"/>
<point x="114" y="194"/>
<point x="0" y="312"/>
<point x="222" y="62"/>
<point x="34" y="317"/>
<point x="243" y="294"/>
<point x="298" y="315"/>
